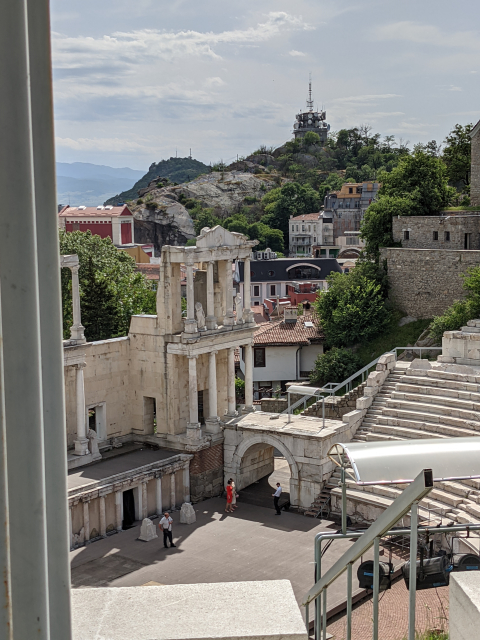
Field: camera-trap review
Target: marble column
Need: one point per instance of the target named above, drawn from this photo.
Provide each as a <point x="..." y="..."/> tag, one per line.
<point x="190" y="323"/>
<point x="210" y="320"/>
<point x="172" y="491"/>
<point x="186" y="483"/>
<point x="247" y="299"/>
<point x="81" y="443"/>
<point x="86" y="520"/>
<point x="248" y="377"/>
<point x="192" y="393"/>
<point x="103" y="519"/>
<point x="76" y="330"/>
<point x="159" y="507"/>
<point x="229" y="319"/>
<point x="70" y="512"/>
<point x="212" y="385"/>
<point x="118" y="510"/>
<point x="231" y="381"/>
<point x="144" y="500"/>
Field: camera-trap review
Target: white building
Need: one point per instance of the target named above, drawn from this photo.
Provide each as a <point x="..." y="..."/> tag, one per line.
<point x="284" y="351"/>
<point x="305" y="231"/>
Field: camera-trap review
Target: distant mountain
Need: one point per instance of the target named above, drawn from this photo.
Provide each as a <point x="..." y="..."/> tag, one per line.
<point x="176" y="169"/>
<point x="91" y="184"/>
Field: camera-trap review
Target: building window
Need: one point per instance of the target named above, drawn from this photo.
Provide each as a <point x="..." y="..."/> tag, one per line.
<point x="435" y="235"/>
<point x="297" y="227"/>
<point x="447" y="236"/>
<point x="293" y="227"/>
<point x="350" y="189"/>
<point x="259" y="357"/>
<point x="303" y="227"/>
<point x="309" y="228"/>
<point x="303" y="273"/>
<point x="406" y="235"/>
<point x="256" y="290"/>
<point x="314" y="239"/>
<point x="359" y="189"/>
<point x="271" y="273"/>
<point x="273" y="290"/>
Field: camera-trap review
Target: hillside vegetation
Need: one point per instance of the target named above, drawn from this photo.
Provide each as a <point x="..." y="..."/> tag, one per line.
<point x="177" y="170"/>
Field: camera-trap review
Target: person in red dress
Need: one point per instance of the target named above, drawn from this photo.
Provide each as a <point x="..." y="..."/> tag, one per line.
<point x="229" y="490"/>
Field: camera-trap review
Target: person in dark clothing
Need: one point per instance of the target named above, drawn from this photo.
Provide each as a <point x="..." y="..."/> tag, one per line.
<point x="276" y="498"/>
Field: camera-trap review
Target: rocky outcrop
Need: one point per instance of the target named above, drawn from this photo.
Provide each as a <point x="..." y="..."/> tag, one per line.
<point x="164" y="221"/>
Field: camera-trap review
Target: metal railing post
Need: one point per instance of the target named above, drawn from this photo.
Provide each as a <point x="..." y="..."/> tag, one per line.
<point x="376" y="585"/>
<point x="289" y="416"/>
<point x="344" y="499"/>
<point x="323" y="412"/>
<point x="307" y="619"/>
<point x="413" y="570"/>
<point x="349" y="601"/>
<point x="324" y="612"/>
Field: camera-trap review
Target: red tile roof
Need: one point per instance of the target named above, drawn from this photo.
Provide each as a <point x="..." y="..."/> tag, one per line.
<point x="89" y="212"/>
<point x="149" y="270"/>
<point x="288" y="333"/>
<point x="307" y="216"/>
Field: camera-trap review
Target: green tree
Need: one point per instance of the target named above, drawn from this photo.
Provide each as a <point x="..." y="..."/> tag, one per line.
<point x="204" y="218"/>
<point x="100" y="310"/>
<point x="293" y="199"/>
<point x="133" y="293"/>
<point x="457" y="155"/>
<point x="417" y="186"/>
<point x="335" y="365"/>
<point x="353" y="309"/>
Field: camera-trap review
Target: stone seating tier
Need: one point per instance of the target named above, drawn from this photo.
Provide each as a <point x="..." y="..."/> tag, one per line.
<point x="425" y="400"/>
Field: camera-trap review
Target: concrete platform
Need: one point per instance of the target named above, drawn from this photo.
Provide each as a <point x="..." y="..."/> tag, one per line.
<point x="120" y="463"/>
<point x="234" y="611"/>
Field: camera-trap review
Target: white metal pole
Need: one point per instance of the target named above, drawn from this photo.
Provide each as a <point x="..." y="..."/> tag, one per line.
<point x="413" y="570"/>
<point x="6" y="630"/>
<point x="21" y="334"/>
<point x="51" y="325"/>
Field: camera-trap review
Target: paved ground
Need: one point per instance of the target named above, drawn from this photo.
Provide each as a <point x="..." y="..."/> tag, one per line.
<point x="119" y="461"/>
<point x="431" y="613"/>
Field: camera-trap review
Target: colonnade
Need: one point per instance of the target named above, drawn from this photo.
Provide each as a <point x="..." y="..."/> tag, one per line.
<point x="211" y="320"/>
<point x="162" y="503"/>
<point x="212" y="418"/>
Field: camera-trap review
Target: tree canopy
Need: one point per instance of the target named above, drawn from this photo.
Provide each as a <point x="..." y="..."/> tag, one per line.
<point x="417" y="186"/>
<point x="109" y="286"/>
<point x="292" y="199"/>
<point x="457" y="155"/>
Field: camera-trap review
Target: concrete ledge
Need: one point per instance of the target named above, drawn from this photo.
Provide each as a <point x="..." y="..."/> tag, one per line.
<point x="464" y="605"/>
<point x="264" y="610"/>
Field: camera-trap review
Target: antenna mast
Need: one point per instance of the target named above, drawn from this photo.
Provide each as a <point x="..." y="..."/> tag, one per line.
<point x="310" y="101"/>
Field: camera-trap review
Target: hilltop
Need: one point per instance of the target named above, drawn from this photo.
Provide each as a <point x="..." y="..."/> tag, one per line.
<point x="177" y="170"/>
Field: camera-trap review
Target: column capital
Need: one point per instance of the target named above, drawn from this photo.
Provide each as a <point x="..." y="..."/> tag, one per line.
<point x="75" y="269"/>
<point x="80" y="365"/>
<point x="192" y="356"/>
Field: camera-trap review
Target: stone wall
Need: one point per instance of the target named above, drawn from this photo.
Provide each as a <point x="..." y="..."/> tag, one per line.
<point x="421" y="231"/>
<point x="475" y="170"/>
<point x="336" y="406"/>
<point x="206" y="473"/>
<point x="423" y="283"/>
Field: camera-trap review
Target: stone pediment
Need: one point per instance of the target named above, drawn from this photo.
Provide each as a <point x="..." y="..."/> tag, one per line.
<point x="220" y="237"/>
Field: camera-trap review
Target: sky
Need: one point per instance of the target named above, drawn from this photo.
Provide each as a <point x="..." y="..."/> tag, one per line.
<point x="137" y="81"/>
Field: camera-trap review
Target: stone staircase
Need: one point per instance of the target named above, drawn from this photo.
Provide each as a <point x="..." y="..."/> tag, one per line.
<point x="419" y="400"/>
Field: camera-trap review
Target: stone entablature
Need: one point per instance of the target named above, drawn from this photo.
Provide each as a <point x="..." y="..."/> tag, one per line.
<point x="425" y="282"/>
<point x="463" y="347"/>
<point x="96" y="508"/>
<point x="454" y="231"/>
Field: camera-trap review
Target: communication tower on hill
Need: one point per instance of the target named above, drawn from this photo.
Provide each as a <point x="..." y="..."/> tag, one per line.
<point x="311" y="120"/>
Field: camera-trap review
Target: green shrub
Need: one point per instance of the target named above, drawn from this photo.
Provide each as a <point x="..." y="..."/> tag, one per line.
<point x="300" y="309"/>
<point x="239" y="389"/>
<point x="335" y="365"/>
<point x="454" y="318"/>
<point x="139" y="201"/>
<point x="152" y="204"/>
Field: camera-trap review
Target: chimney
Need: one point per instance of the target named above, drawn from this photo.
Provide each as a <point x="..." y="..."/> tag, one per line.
<point x="290" y="315"/>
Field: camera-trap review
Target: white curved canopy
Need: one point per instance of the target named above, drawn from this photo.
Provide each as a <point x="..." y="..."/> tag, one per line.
<point x="401" y="461"/>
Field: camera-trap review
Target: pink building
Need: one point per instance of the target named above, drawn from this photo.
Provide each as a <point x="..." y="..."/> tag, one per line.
<point x="116" y="223"/>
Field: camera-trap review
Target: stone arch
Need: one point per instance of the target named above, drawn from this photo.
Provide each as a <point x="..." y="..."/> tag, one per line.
<point x="273" y="441"/>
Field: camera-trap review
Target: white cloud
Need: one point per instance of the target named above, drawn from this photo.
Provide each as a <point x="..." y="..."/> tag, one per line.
<point x="454" y="88"/>
<point x="428" y="34"/>
<point x="214" y="82"/>
<point x="102" y="144"/>
<point x="123" y="49"/>
<point x="296" y="54"/>
<point x="366" y="98"/>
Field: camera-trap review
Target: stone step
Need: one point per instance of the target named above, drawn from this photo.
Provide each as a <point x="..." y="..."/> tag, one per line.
<point x="433" y="409"/>
<point x="431" y="429"/>
<point x="439" y="374"/>
<point x="375" y="436"/>
<point x="417" y="414"/>
<point x="441" y="383"/>
<point x="405" y="433"/>
<point x="426" y="390"/>
<point x="437" y="400"/>
<point x="457" y="488"/>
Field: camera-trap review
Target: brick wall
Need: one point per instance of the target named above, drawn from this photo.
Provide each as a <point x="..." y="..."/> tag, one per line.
<point x="475" y="171"/>
<point x="426" y="282"/>
<point x="206" y="473"/>
<point x="421" y="231"/>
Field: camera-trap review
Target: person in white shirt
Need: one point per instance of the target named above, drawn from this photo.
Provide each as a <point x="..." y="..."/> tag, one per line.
<point x="165" y="525"/>
<point x="276" y="498"/>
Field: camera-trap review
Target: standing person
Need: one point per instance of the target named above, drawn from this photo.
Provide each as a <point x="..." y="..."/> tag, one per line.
<point x="276" y="498"/>
<point x="234" y="494"/>
<point x="229" y="490"/>
<point x="165" y="525"/>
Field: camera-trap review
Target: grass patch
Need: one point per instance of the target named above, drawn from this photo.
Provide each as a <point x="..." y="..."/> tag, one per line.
<point x="395" y="336"/>
<point x="462" y="209"/>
